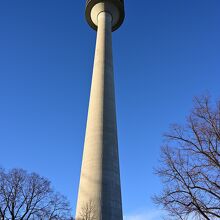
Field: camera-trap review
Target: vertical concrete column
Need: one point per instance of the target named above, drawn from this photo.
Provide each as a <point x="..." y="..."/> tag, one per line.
<point x="100" y="177"/>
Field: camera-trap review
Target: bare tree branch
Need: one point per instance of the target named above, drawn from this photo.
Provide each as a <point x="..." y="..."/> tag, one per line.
<point x="88" y="211"/>
<point x="26" y="196"/>
<point x="190" y="165"/>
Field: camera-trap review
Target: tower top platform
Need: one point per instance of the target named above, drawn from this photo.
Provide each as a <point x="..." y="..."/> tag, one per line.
<point x="113" y="7"/>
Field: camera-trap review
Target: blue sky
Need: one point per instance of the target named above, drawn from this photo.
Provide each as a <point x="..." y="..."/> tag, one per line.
<point x="165" y="53"/>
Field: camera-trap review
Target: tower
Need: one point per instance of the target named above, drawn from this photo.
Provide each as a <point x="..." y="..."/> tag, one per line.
<point x="99" y="195"/>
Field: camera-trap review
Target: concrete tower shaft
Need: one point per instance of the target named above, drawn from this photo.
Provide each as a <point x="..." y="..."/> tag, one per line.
<point x="99" y="195"/>
<point x="100" y="177"/>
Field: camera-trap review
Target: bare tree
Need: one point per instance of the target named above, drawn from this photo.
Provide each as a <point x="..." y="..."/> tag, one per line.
<point x="88" y="211"/>
<point x="26" y="196"/>
<point x="190" y="165"/>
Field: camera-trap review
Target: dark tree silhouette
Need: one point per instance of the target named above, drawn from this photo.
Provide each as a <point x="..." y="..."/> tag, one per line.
<point x="26" y="196"/>
<point x="190" y="165"/>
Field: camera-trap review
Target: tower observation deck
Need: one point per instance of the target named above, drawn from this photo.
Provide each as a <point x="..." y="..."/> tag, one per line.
<point x="99" y="194"/>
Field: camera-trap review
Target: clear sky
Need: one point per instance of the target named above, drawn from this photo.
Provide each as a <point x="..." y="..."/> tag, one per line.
<point x="166" y="52"/>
